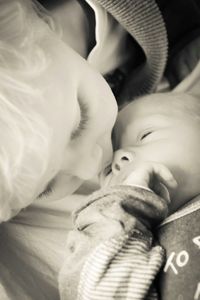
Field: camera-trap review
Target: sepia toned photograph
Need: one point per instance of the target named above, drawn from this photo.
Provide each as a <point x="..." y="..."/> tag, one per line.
<point x="99" y="149"/>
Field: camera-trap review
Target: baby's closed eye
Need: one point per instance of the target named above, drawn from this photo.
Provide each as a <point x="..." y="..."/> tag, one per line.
<point x="146" y="134"/>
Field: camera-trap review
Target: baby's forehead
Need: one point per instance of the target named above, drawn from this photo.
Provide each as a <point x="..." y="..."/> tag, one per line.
<point x="169" y="103"/>
<point x="144" y="107"/>
<point x="157" y="110"/>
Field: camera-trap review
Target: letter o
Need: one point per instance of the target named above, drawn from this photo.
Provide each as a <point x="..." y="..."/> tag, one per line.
<point x="182" y="258"/>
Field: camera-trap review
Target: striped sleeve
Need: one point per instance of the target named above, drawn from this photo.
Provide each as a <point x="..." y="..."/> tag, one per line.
<point x="122" y="268"/>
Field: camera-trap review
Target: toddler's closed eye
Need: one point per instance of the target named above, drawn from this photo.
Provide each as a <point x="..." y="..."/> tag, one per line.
<point x="48" y="190"/>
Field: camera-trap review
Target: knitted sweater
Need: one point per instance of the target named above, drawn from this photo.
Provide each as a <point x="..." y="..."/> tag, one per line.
<point x="144" y="22"/>
<point x="111" y="253"/>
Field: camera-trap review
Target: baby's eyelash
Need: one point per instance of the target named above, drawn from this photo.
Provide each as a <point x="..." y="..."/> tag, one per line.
<point x="145" y="135"/>
<point x="83" y="120"/>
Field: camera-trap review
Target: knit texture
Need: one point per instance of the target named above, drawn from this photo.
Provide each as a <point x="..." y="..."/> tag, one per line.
<point x="122" y="268"/>
<point x="111" y="254"/>
<point x="143" y="20"/>
<point x="125" y="202"/>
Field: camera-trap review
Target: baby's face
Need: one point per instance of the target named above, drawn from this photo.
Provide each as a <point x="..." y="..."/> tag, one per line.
<point x="156" y="129"/>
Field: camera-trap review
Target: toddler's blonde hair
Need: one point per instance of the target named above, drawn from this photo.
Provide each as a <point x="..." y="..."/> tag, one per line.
<point x="24" y="137"/>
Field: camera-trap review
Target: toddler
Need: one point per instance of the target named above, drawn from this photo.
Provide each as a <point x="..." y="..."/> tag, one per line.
<point x="154" y="173"/>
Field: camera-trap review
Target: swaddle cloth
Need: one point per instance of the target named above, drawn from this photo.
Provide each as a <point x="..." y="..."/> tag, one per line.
<point x="111" y="253"/>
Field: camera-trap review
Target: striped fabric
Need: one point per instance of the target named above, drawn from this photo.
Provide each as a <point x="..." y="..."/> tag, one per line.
<point x="143" y="20"/>
<point x="111" y="252"/>
<point x="122" y="268"/>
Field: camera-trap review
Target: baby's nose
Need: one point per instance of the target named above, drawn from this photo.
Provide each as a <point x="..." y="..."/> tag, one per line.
<point x="120" y="159"/>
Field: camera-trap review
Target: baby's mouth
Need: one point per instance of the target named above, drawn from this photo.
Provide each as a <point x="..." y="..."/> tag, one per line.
<point x="104" y="177"/>
<point x="107" y="170"/>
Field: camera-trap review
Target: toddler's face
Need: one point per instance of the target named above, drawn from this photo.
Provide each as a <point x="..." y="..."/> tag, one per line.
<point x="75" y="108"/>
<point x="154" y="129"/>
<point x="76" y="100"/>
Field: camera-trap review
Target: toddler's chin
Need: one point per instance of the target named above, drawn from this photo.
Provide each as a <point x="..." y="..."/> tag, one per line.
<point x="10" y="209"/>
<point x="63" y="185"/>
<point x="8" y="214"/>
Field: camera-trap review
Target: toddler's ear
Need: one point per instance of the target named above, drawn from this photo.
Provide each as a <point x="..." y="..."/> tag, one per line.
<point x="10" y="31"/>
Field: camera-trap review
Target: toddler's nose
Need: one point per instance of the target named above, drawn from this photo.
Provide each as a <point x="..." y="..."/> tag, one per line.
<point x="121" y="157"/>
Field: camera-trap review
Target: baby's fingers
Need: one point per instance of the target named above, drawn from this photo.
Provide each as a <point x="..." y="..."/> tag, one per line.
<point x="162" y="181"/>
<point x="154" y="176"/>
<point x="163" y="175"/>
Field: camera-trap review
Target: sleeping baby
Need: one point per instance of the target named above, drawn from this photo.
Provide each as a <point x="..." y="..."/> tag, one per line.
<point x="112" y="252"/>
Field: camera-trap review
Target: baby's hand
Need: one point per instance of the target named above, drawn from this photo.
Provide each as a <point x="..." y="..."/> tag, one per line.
<point x="150" y="175"/>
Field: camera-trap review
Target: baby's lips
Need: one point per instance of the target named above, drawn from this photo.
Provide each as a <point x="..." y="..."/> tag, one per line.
<point x="105" y="176"/>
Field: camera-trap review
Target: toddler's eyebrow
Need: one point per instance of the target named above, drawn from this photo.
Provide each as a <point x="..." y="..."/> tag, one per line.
<point x="84" y="118"/>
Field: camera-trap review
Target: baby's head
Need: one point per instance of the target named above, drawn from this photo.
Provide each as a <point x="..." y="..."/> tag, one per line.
<point x="163" y="128"/>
